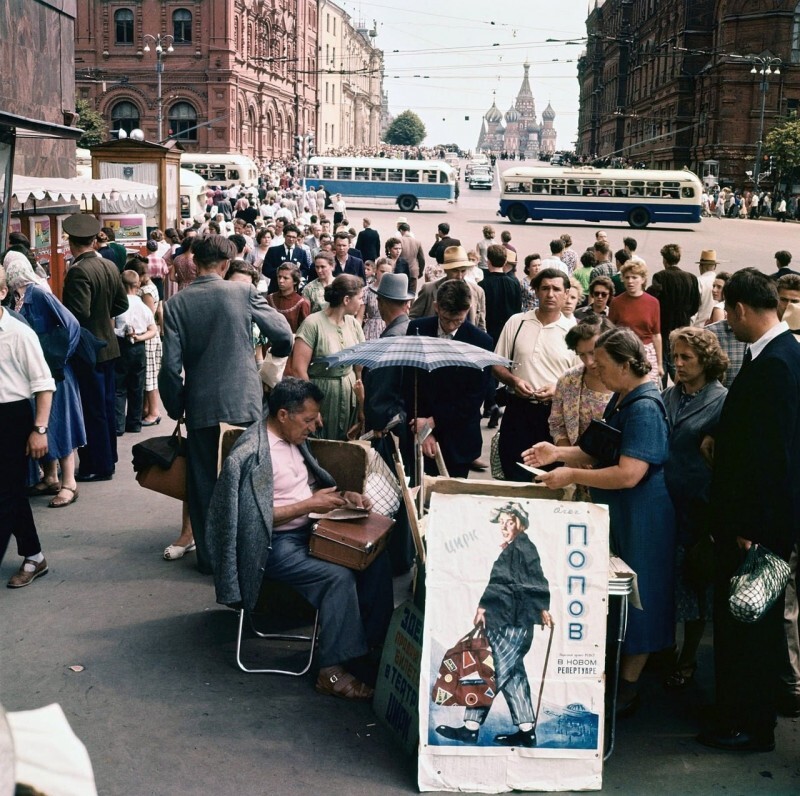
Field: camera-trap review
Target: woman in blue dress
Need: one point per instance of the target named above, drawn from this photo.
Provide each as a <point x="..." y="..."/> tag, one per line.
<point x="65" y="431"/>
<point x="640" y="510"/>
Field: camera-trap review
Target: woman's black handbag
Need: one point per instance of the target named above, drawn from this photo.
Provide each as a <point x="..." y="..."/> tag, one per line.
<point x="602" y="442"/>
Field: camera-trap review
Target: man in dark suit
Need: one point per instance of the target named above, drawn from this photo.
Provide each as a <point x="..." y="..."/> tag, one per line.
<point x="385" y="398"/>
<point x="345" y="262"/>
<point x="449" y="399"/>
<point x="503" y="299"/>
<point x="290" y="251"/>
<point x="368" y="242"/>
<point x="208" y="348"/>
<point x="755" y="499"/>
<point x="443" y="240"/>
<point x="678" y="294"/>
<point x="783" y="259"/>
<point x="94" y="294"/>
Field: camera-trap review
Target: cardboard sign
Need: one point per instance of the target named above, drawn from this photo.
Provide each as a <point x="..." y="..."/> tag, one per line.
<point x="514" y="566"/>
<point x="397" y="689"/>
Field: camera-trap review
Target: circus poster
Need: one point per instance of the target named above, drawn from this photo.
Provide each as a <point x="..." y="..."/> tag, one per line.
<point x="513" y="657"/>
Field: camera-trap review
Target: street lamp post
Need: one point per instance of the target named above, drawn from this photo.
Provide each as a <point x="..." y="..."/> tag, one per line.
<point x="162" y="43"/>
<point x="762" y="65"/>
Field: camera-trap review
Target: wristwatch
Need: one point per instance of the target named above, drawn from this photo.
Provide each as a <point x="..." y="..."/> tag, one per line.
<point x="40" y="429"/>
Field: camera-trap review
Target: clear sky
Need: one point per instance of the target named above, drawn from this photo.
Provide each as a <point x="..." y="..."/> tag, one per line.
<point x="444" y="58"/>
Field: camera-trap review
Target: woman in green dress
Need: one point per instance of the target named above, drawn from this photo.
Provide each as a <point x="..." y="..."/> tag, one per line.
<point x="314" y="291"/>
<point x="328" y="332"/>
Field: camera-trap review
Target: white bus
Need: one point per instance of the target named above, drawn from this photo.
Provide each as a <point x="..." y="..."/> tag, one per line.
<point x="404" y="181"/>
<point x="638" y="196"/>
<point x="222" y="171"/>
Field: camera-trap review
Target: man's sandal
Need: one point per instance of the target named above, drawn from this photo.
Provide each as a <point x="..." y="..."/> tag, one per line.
<point x="340" y="683"/>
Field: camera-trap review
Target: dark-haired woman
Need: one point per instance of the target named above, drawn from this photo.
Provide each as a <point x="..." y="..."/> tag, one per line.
<point x="286" y="299"/>
<point x="580" y="394"/>
<point x="634" y="488"/>
<point x="328" y="332"/>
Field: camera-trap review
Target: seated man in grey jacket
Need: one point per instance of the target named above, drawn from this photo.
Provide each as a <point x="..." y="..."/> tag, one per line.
<point x="258" y="526"/>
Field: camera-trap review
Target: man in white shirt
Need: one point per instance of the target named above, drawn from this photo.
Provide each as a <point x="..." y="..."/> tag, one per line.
<point x="133" y="328"/>
<point x="708" y="266"/>
<point x="554" y="260"/>
<point x="23" y="432"/>
<point x="536" y="341"/>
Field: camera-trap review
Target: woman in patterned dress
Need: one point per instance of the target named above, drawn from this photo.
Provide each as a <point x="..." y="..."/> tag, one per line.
<point x="580" y="394"/>
<point x="373" y="323"/>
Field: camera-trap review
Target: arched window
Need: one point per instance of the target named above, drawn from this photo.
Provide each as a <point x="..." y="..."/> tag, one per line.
<point x="123" y="26"/>
<point x="182" y="26"/>
<point x="124" y="116"/>
<point x="182" y="117"/>
<point x="796" y="36"/>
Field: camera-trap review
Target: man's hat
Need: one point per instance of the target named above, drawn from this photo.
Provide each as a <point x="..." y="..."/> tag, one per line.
<point x="393" y="287"/>
<point x="402" y="220"/>
<point x="455" y="257"/>
<point x="514" y="509"/>
<point x="81" y="225"/>
<point x="708" y="256"/>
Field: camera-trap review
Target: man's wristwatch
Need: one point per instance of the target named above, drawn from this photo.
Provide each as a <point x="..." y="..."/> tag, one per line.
<point x="40" y="429"/>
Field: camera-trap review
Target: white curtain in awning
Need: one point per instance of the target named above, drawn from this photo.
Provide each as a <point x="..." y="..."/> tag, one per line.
<point x="73" y="190"/>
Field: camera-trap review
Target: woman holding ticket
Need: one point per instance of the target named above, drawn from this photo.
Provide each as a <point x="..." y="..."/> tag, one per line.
<point x="633" y="487"/>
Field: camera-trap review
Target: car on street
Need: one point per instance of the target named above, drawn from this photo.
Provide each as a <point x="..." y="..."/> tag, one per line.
<point x="481" y="177"/>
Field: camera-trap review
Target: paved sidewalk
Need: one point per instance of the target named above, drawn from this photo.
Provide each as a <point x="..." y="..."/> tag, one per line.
<point x="163" y="709"/>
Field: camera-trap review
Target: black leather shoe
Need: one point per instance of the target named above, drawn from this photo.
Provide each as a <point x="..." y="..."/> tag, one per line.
<point x="518" y="738"/>
<point x="494" y="418"/>
<point x="789" y="706"/>
<point x="460" y="734"/>
<point x="90" y="477"/>
<point x="737" y="741"/>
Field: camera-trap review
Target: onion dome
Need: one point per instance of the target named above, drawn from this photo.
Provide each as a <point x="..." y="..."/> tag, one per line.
<point x="493" y="115"/>
<point x="548" y="113"/>
<point x="512" y="115"/>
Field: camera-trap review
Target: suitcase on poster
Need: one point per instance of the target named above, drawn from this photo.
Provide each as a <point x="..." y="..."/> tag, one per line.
<point x="354" y="544"/>
<point x="466" y="676"/>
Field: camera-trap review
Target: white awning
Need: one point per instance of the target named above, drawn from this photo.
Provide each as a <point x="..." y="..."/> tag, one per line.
<point x="64" y="189"/>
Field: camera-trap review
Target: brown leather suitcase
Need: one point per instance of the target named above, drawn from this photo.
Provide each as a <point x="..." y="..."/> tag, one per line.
<point x="352" y="543"/>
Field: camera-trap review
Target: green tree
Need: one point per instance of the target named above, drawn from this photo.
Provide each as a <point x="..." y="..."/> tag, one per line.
<point x="783" y="144"/>
<point x="406" y="130"/>
<point x="92" y="124"/>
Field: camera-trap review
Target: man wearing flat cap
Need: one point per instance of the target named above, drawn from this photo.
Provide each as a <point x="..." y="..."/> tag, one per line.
<point x="516" y="598"/>
<point x="95" y="295"/>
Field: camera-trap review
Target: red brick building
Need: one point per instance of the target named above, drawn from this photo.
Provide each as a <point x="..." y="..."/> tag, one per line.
<point x="660" y="82"/>
<point x="240" y="76"/>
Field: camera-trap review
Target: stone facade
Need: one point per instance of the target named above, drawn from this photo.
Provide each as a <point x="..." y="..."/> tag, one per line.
<point x="242" y="73"/>
<point x="659" y="82"/>
<point x="350" y="82"/>
<point x="34" y="33"/>
<point x="521" y="134"/>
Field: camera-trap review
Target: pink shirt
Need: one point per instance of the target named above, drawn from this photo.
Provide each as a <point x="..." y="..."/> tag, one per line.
<point x="291" y="479"/>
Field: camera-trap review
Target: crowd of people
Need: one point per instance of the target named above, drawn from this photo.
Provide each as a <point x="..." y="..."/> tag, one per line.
<point x="269" y="281"/>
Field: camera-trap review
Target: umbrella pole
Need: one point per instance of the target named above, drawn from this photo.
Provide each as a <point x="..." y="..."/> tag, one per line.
<point x="418" y="460"/>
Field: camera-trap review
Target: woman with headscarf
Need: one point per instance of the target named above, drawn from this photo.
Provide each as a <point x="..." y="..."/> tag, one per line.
<point x="59" y="332"/>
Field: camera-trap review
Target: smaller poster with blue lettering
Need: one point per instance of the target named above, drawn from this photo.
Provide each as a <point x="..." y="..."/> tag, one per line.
<point x="513" y="659"/>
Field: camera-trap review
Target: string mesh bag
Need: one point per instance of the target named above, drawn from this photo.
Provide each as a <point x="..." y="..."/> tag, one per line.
<point x="759" y="581"/>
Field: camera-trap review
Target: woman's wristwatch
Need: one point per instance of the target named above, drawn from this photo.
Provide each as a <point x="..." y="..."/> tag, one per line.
<point x="40" y="429"/>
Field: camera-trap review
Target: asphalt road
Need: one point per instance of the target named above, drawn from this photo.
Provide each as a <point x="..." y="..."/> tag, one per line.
<point x="162" y="707"/>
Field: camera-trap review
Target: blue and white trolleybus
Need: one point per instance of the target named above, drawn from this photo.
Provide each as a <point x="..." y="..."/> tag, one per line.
<point x="638" y="196"/>
<point x="404" y="181"/>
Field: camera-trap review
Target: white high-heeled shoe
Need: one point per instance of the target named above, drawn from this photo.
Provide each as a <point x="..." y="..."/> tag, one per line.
<point x="176" y="551"/>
